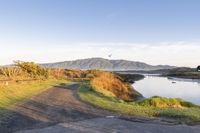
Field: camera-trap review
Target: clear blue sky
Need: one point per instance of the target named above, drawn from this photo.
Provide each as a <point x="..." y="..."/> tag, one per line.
<point x="53" y="30"/>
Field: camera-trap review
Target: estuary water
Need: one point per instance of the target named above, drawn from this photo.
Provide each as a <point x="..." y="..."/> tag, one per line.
<point x="186" y="89"/>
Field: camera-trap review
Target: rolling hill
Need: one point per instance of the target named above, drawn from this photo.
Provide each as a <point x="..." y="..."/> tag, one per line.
<point x="105" y="64"/>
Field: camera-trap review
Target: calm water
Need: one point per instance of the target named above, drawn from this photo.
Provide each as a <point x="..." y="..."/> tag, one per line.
<point x="173" y="88"/>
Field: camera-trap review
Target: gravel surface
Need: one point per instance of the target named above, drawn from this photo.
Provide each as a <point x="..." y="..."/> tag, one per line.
<point x="114" y="125"/>
<point x="56" y="105"/>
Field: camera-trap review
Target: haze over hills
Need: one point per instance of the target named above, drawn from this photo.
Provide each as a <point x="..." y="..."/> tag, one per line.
<point x="105" y="64"/>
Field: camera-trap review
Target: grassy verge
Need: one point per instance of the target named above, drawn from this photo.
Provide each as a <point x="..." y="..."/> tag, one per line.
<point x="187" y="115"/>
<point x="17" y="92"/>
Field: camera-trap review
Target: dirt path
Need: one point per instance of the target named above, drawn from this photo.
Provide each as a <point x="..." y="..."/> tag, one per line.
<point x="58" y="110"/>
<point x="56" y="105"/>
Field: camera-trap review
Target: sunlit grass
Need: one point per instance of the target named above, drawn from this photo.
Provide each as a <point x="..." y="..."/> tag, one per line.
<point x="16" y="92"/>
<point x="162" y="102"/>
<point x="188" y="115"/>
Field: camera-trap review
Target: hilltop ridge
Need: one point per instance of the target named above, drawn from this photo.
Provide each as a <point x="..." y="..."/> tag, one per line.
<point x="105" y="64"/>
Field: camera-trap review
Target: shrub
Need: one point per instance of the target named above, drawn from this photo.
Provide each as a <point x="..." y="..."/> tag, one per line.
<point x="33" y="70"/>
<point x="56" y="72"/>
<point x="75" y="73"/>
<point x="109" y="85"/>
<point x="161" y="102"/>
<point x="9" y="71"/>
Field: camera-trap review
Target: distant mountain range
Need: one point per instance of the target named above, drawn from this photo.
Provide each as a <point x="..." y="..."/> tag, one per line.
<point x="105" y="64"/>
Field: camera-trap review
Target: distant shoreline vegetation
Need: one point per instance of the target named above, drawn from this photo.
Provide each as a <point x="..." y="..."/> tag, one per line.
<point x="184" y="72"/>
<point x="179" y="72"/>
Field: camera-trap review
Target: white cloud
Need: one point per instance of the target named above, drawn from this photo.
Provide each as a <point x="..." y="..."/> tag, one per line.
<point x="172" y="53"/>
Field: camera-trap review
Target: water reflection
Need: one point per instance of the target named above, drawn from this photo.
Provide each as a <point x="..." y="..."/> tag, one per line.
<point x="172" y="88"/>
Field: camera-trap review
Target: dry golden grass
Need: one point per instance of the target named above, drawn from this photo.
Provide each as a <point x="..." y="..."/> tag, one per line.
<point x="109" y="85"/>
<point x="75" y="73"/>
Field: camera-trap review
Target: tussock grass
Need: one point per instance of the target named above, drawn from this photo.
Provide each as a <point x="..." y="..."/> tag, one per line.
<point x="187" y="115"/>
<point x="110" y="85"/>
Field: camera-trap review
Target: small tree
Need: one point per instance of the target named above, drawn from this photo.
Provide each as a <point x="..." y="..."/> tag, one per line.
<point x="32" y="69"/>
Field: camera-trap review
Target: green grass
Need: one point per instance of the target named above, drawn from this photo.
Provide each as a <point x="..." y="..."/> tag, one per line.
<point x="161" y="102"/>
<point x="17" y="92"/>
<point x="187" y="115"/>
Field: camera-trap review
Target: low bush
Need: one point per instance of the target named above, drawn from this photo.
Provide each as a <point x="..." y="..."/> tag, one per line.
<point x="33" y="70"/>
<point x="109" y="85"/>
<point x="161" y="102"/>
<point x="75" y="73"/>
<point x="9" y="71"/>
